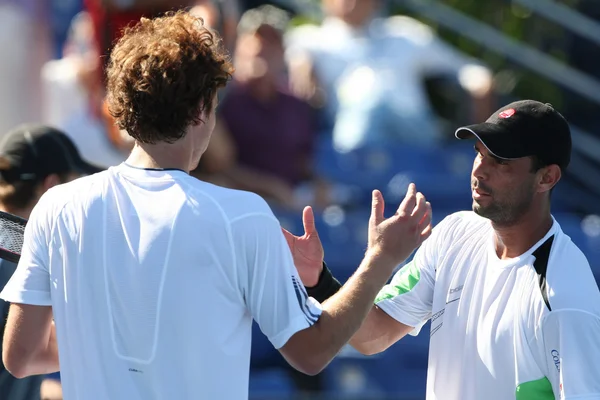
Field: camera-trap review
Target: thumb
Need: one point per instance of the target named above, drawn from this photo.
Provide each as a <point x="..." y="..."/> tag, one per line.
<point x="378" y="206"/>
<point x="308" y="220"/>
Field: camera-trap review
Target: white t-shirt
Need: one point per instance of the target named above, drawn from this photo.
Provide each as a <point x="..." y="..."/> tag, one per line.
<point x="524" y="328"/>
<point x="154" y="278"/>
<point x="373" y="77"/>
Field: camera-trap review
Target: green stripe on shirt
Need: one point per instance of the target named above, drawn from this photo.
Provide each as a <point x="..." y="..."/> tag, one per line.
<point x="403" y="282"/>
<point x="540" y="389"/>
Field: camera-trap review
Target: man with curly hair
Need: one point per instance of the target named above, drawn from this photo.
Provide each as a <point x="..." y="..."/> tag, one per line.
<point x="152" y="276"/>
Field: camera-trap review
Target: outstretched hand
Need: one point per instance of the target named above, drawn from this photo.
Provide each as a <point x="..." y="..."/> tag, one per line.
<point x="307" y="249"/>
<point x="396" y="237"/>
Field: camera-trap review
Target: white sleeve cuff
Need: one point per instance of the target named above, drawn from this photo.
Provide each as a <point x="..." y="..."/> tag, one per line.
<point x="34" y="298"/>
<point x="401" y="316"/>
<point x="298" y="324"/>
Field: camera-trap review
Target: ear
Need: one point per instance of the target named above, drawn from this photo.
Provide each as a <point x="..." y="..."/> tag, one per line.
<point x="548" y="177"/>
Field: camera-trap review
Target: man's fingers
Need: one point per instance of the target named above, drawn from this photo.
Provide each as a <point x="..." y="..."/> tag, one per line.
<point x="425" y="225"/>
<point x="308" y="220"/>
<point x="427" y="217"/>
<point x="420" y="208"/>
<point x="409" y="201"/>
<point x="426" y="232"/>
<point x="378" y="206"/>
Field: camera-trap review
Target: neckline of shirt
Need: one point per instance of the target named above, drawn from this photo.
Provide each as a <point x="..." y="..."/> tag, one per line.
<point x="141" y="172"/>
<point x="511" y="262"/>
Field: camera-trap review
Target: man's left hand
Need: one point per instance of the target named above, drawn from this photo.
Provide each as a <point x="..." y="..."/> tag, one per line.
<point x="307" y="249"/>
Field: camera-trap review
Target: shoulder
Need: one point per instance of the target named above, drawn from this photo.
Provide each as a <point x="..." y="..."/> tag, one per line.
<point x="457" y="231"/>
<point x="571" y="282"/>
<point x="233" y="204"/>
<point x="303" y="36"/>
<point x="404" y="27"/>
<point x="57" y="197"/>
<point x="462" y="223"/>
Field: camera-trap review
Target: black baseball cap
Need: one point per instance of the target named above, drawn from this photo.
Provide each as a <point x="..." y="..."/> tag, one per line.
<point x="524" y="128"/>
<point x="32" y="152"/>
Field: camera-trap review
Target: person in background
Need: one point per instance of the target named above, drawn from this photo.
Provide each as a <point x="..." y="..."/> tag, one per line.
<point x="368" y="71"/>
<point x="33" y="158"/>
<point x="272" y="132"/>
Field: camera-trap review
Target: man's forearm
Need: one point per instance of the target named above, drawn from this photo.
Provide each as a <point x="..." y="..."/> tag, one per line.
<point x="45" y="361"/>
<point x="344" y="312"/>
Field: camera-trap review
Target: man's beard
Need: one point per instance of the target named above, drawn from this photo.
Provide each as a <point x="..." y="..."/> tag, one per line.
<point x="505" y="212"/>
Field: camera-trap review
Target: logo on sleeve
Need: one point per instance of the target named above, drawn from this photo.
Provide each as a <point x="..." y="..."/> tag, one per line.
<point x="556" y="359"/>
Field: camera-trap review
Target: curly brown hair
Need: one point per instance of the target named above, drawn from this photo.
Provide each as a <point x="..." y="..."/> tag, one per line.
<point x="163" y="74"/>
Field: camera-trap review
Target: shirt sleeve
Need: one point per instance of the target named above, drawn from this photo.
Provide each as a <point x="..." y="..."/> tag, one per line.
<point x="30" y="284"/>
<point x="572" y="349"/>
<point x="272" y="289"/>
<point x="408" y="298"/>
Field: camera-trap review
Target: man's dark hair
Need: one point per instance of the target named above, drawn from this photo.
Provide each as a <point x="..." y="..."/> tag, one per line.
<point x="22" y="194"/>
<point x="537" y="164"/>
<point x="163" y="74"/>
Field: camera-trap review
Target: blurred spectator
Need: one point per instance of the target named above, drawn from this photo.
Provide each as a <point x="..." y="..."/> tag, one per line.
<point x="272" y="132"/>
<point x="62" y="13"/>
<point x="73" y="85"/>
<point x="33" y="158"/>
<point x="222" y="16"/>
<point x="369" y="72"/>
<point x="74" y="94"/>
<point x="25" y="45"/>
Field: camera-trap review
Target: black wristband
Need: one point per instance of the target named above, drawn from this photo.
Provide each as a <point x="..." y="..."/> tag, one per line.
<point x="326" y="287"/>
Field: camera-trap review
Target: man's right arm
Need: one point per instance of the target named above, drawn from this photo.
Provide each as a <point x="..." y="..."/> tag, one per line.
<point x="378" y="332"/>
<point x="310" y="350"/>
<point x="404" y="304"/>
<point x="390" y="242"/>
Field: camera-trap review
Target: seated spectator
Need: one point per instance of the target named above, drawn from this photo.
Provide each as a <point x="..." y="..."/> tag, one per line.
<point x="33" y="158"/>
<point x="272" y="132"/>
<point x="369" y="72"/>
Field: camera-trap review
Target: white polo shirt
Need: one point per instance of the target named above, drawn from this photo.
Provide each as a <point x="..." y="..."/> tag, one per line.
<point x="526" y="328"/>
<point x="154" y="278"/>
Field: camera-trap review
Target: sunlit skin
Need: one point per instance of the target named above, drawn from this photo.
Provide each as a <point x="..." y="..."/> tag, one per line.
<point x="503" y="190"/>
<point x="514" y="197"/>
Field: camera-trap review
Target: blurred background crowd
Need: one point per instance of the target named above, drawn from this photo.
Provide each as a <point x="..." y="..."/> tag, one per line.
<point x="331" y="99"/>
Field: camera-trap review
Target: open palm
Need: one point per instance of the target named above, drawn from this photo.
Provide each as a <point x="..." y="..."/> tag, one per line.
<point x="307" y="249"/>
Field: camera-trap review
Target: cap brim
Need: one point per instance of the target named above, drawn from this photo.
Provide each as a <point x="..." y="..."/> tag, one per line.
<point x="496" y="139"/>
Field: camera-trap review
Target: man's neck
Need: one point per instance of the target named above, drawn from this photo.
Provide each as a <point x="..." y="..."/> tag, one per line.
<point x="161" y="156"/>
<point x="517" y="238"/>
